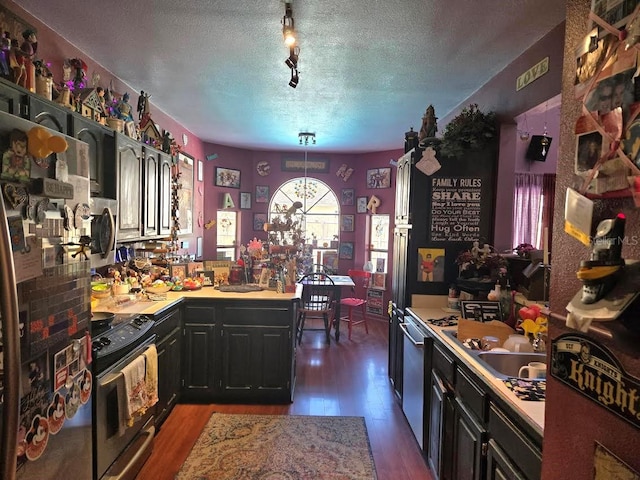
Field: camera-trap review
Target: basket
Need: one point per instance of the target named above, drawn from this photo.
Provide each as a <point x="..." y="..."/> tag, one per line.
<point x="158" y="288"/>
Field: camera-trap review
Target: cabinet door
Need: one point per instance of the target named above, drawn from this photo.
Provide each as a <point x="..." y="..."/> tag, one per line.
<point x="164" y="194"/>
<point x="403" y="182"/>
<point x="12" y="100"/>
<point x="129" y="185"/>
<point x="100" y="141"/>
<point x="400" y="267"/>
<point x="468" y="453"/>
<point x="199" y="358"/>
<point x="438" y="393"/>
<point x="499" y="467"/>
<point x="396" y="350"/>
<point x="168" y="374"/>
<point x="45" y="113"/>
<point x="253" y="361"/>
<point x="150" y="192"/>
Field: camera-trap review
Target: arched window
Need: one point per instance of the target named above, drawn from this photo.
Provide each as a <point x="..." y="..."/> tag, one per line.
<point x="320" y="212"/>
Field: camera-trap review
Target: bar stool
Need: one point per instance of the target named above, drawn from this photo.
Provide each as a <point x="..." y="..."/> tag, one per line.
<point x="361" y="280"/>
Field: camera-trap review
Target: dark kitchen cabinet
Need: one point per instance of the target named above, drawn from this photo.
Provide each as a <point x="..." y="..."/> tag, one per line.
<point x="396" y="350"/>
<point x="129" y="183"/>
<point x="239" y="351"/>
<point x="469" y="445"/>
<point x="499" y="467"/>
<point x="48" y="114"/>
<point x="101" y="142"/>
<point x="439" y="398"/>
<point x="200" y="356"/>
<point x="150" y="190"/>
<point x="164" y="194"/>
<point x="167" y="327"/>
<point x="13" y="100"/>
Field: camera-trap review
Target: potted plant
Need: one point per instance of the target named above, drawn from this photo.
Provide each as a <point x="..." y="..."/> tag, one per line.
<point x="470" y="130"/>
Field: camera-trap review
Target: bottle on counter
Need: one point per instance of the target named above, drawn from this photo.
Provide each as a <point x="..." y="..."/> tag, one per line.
<point x="506" y="304"/>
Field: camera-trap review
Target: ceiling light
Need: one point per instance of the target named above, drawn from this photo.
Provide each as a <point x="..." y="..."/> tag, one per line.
<point x="293" y="83"/>
<point x="305" y="137"/>
<point x="292" y="61"/>
<point x="288" y="31"/>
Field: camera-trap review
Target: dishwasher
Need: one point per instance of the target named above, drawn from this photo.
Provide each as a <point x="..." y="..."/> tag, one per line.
<point x="416" y="339"/>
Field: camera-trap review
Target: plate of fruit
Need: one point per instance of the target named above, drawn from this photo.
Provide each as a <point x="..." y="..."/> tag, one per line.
<point x="191" y="284"/>
<point x="159" y="286"/>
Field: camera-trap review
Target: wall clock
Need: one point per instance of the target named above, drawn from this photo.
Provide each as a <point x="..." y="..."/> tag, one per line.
<point x="263" y="168"/>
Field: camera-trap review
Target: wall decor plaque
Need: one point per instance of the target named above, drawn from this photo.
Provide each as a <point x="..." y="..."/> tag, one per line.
<point x="593" y="371"/>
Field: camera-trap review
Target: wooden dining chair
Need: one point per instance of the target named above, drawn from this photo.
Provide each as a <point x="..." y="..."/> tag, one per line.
<point x="357" y="301"/>
<point x="318" y="301"/>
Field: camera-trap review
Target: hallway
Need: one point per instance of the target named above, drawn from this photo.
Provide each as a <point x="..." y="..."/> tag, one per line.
<point x="347" y="378"/>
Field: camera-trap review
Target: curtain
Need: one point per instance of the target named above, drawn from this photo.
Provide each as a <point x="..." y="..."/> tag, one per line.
<point x="549" y="196"/>
<point x="527" y="209"/>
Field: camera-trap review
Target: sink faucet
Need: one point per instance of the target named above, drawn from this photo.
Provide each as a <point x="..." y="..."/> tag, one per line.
<point x="538" y="344"/>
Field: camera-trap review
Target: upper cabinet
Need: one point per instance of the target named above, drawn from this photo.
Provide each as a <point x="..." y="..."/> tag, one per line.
<point x="165" y="194"/>
<point x="101" y="148"/>
<point x="12" y="99"/>
<point x="48" y="114"/>
<point x="129" y="175"/>
<point x="150" y="190"/>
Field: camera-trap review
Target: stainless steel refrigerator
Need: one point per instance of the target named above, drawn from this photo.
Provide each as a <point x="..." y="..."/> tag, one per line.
<point x="45" y="350"/>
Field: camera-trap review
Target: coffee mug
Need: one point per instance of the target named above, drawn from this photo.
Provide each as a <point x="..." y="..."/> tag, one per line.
<point x="534" y="370"/>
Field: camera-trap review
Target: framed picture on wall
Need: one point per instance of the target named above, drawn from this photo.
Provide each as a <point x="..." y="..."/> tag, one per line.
<point x="186" y="193"/>
<point x="361" y="204"/>
<point x="245" y="200"/>
<point x="227" y="177"/>
<point x="379" y="177"/>
<point x="259" y="219"/>
<point x="348" y="195"/>
<point x="178" y="270"/>
<point x="347" y="223"/>
<point x="262" y="193"/>
<point x="346" y="251"/>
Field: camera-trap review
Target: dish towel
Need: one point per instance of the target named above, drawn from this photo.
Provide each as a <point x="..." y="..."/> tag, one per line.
<point x="151" y="377"/>
<point x="133" y="400"/>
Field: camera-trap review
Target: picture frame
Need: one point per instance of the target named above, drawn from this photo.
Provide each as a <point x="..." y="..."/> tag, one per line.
<point x="259" y="219"/>
<point x="186" y="193"/>
<point x="361" y="204"/>
<point x="227" y="177"/>
<point x="200" y="171"/>
<point x="208" y="277"/>
<point x="348" y="195"/>
<point x="347" y="223"/>
<point x="178" y="270"/>
<point x="312" y="164"/>
<point x="379" y="177"/>
<point x="346" y="251"/>
<point x="245" y="200"/>
<point x="262" y="193"/>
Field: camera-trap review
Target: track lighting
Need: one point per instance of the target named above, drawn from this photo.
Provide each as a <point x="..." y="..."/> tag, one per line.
<point x="288" y="30"/>
<point x="292" y="61"/>
<point x="305" y="137"/>
<point x="293" y="83"/>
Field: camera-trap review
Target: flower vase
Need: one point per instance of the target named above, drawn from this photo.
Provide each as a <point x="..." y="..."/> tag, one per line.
<point x="44" y="86"/>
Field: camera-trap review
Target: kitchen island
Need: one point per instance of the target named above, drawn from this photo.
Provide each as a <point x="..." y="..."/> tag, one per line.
<point x="473" y="421"/>
<point x="225" y="346"/>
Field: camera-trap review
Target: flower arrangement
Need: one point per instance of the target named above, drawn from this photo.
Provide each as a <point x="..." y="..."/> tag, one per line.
<point x="255" y="248"/>
<point x="524" y="249"/>
<point x="470" y="130"/>
<point x="483" y="265"/>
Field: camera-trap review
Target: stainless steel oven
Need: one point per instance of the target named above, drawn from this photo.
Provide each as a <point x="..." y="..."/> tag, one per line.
<point x="413" y="371"/>
<point x="119" y="452"/>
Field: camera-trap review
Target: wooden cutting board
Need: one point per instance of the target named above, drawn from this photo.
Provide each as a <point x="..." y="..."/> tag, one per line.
<point x="474" y="329"/>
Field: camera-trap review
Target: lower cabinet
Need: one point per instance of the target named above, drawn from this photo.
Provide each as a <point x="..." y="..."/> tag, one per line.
<point x="396" y="350"/>
<point x="168" y="330"/>
<point x="473" y="434"/>
<point x="239" y="352"/>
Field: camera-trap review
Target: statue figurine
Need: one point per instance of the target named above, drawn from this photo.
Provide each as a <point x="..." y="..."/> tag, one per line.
<point x="166" y="142"/>
<point x="429" y="125"/>
<point x="25" y="56"/>
<point x="5" y="46"/>
<point x="123" y="111"/>
<point x="143" y="104"/>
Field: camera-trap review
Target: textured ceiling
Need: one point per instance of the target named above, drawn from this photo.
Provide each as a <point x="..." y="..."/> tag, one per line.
<point x="368" y="68"/>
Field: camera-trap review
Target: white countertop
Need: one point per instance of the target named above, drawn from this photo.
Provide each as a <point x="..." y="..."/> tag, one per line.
<point x="531" y="412"/>
<point x="151" y="307"/>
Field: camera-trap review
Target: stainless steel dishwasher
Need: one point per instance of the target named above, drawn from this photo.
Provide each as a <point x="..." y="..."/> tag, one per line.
<point x="415" y="337"/>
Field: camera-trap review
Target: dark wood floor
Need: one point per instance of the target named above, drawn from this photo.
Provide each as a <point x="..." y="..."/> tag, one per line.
<point x="346" y="378"/>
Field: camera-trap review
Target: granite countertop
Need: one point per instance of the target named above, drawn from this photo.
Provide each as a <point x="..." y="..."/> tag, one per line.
<point x="532" y="412"/>
<point x="151" y="307"/>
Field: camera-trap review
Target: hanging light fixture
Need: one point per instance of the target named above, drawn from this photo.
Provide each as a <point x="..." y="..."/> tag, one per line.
<point x="288" y="30"/>
<point x="293" y="83"/>
<point x="292" y="61"/>
<point x="305" y="137"/>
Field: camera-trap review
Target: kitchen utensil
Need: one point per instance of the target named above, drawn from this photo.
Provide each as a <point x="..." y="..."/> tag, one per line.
<point x="533" y="370"/>
<point x="101" y="319"/>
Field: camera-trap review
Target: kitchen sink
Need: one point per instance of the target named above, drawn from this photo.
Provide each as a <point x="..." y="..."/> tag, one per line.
<point x="507" y="364"/>
<point x="500" y="364"/>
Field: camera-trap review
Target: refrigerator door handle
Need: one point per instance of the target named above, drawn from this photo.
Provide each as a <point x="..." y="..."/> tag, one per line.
<point x="11" y="338"/>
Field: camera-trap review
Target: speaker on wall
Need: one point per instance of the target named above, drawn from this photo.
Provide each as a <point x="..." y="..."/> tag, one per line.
<point x="538" y="148"/>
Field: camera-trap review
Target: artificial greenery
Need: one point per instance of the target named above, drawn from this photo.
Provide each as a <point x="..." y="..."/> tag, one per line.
<point x="470" y="130"/>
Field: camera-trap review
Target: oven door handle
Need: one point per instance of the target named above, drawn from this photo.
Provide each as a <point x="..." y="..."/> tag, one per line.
<point x="408" y="335"/>
<point x="113" y="377"/>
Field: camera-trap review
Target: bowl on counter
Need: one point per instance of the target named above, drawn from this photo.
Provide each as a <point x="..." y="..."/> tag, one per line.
<point x="158" y="288"/>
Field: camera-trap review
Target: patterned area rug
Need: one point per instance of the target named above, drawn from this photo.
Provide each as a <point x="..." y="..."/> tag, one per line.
<point x="280" y="447"/>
